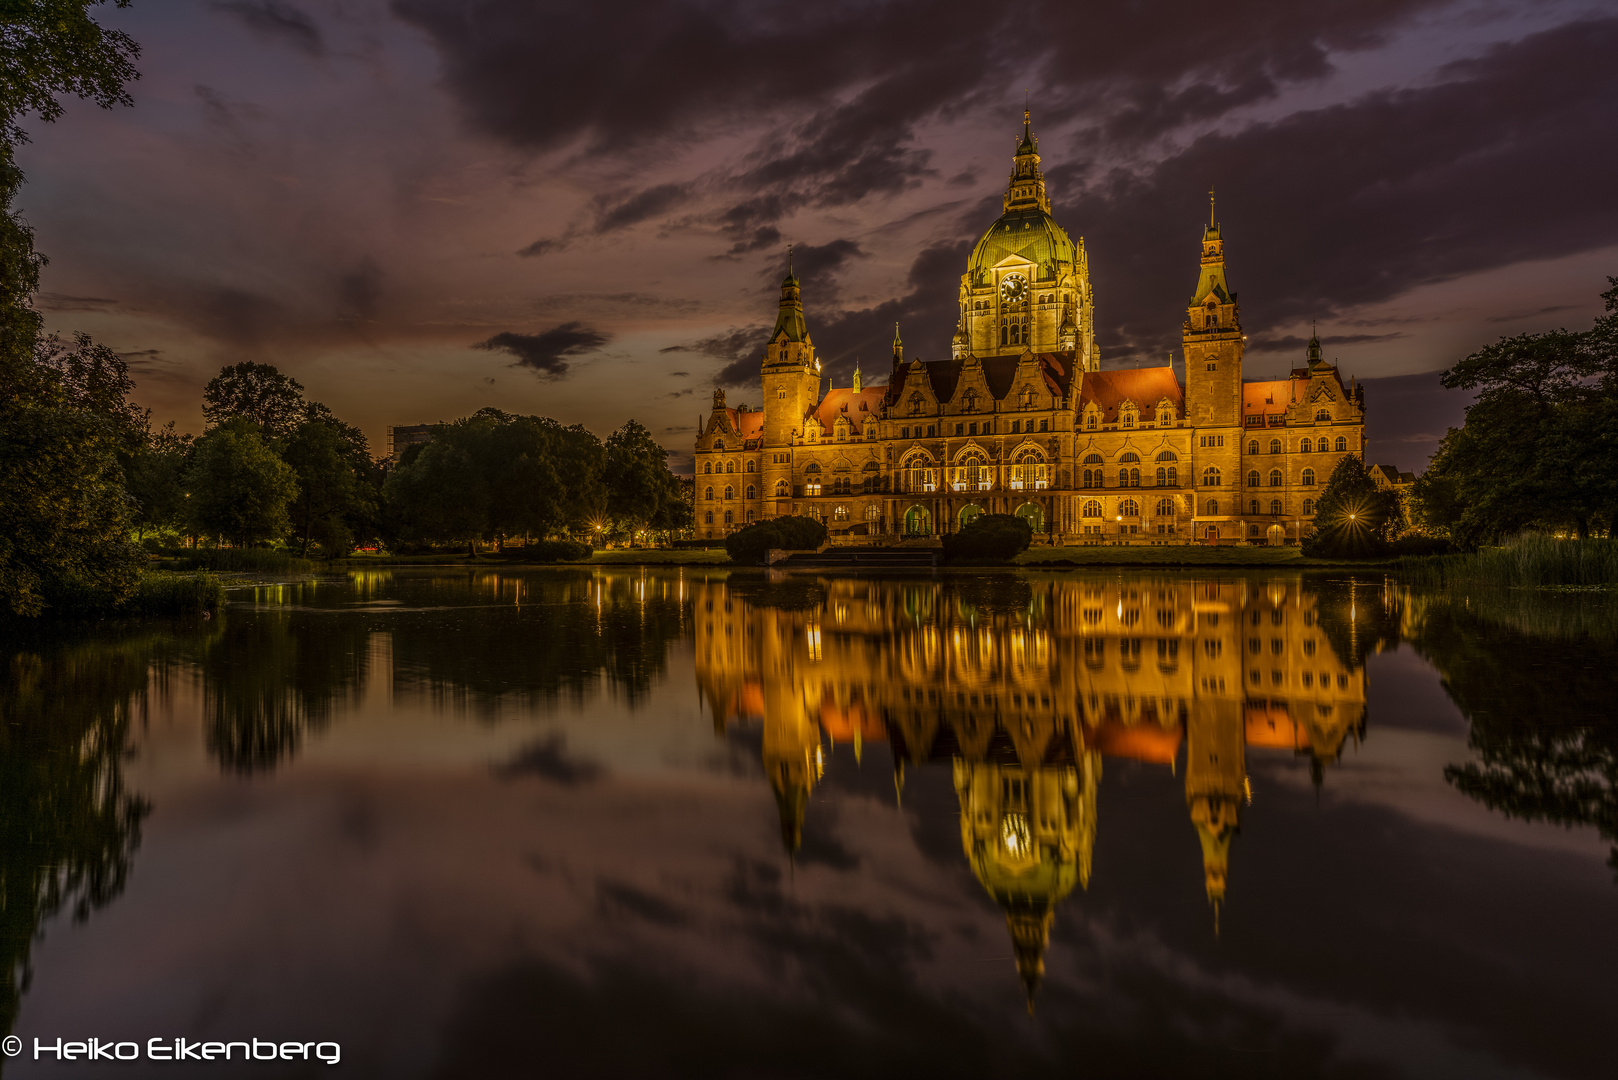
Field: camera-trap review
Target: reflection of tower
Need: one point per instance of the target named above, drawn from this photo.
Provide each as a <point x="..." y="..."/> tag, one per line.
<point x="792" y="754"/>
<point x="1215" y="785"/>
<point x="1028" y="835"/>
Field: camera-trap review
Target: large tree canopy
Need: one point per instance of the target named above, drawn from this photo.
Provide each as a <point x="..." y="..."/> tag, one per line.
<point x="1539" y="448"/>
<point x="239" y="488"/>
<point x="256" y="392"/>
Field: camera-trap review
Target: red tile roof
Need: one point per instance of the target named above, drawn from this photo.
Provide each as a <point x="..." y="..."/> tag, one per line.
<point x="749" y="424"/>
<point x="855" y="404"/>
<point x="1271" y="397"/>
<point x="1144" y="386"/>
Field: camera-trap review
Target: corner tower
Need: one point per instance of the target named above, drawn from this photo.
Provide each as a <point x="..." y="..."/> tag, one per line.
<point x="791" y="383"/>
<point x="1212" y="338"/>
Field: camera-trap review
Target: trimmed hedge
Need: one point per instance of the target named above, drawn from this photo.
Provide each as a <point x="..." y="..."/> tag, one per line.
<point x="990" y="536"/>
<point x="753" y="543"/>
<point x="557" y="551"/>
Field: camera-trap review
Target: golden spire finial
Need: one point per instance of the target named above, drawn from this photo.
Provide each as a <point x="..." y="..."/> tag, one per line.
<point x="789" y="260"/>
<point x="1211" y="224"/>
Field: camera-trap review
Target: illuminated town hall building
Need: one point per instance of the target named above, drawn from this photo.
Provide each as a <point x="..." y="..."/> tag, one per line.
<point x="1021" y="418"/>
<point x="1023" y="690"/>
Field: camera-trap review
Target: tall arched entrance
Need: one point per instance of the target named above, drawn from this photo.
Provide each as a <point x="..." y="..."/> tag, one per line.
<point x="1034" y="514"/>
<point x="968" y="512"/>
<point x="918" y="521"/>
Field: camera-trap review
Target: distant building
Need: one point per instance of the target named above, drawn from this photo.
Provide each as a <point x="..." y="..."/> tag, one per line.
<point x="1388" y="478"/>
<point x="409" y="435"/>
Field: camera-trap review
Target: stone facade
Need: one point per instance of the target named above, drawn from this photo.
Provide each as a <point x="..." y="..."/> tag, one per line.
<point x="1021" y="419"/>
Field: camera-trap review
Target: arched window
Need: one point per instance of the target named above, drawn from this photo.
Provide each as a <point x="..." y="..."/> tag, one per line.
<point x="1306" y="447"/>
<point x="1092" y="459"/>
<point x="750" y="516"/>
<point x="1213" y="507"/>
<point x="1162" y="476"/>
<point x="1275" y="506"/>
<point x="872" y="512"/>
<point x="1029" y="470"/>
<point x="780" y="489"/>
<point x="1092" y="509"/>
<point x="1174" y="476"/>
<point x="719" y="446"/>
<point x="1275" y="477"/>
<point x="1129" y="418"/>
<point x="707" y="519"/>
<point x="1165" y="508"/>
<point x="750" y="467"/>
<point x="1167" y="455"/>
<point x="1129" y="508"/>
<point x="1308" y="478"/>
<point x="708" y="494"/>
<point x="1253" y="531"/>
<point x="730" y="466"/>
<point x="1252" y="480"/>
<point x="1123" y="477"/>
<point x="730" y="492"/>
<point x="1213" y="362"/>
<point x="749" y="492"/>
<point x="707" y="466"/>
<point x="840" y="514"/>
<point x="1129" y="457"/>
<point x="1252" y="446"/>
<point x="1323" y="414"/>
<point x="1210" y="477"/>
<point x="1308" y="506"/>
<point x="1090" y="421"/>
<point x="1252" y="506"/>
<point x="1275" y="446"/>
<point x="729" y="517"/>
<point x="1342" y="444"/>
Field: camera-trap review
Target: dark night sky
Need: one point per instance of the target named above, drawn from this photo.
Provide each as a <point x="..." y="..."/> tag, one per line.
<point x="361" y="191"/>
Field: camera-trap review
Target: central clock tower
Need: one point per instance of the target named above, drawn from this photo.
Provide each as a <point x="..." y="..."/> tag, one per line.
<point x="1028" y="284"/>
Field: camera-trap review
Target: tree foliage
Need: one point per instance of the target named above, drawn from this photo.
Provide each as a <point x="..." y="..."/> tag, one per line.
<point x="495" y="476"/>
<point x="1353" y="519"/>
<point x="753" y="542"/>
<point x="256" y="392"/>
<point x="1539" y="448"/>
<point x="240" y="489"/>
<point x="337" y="498"/>
<point x="990" y="536"/>
<point x="641" y="491"/>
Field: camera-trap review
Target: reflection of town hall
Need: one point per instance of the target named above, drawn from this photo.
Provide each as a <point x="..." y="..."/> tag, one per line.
<point x="1021" y="418"/>
<point x="1024" y="705"/>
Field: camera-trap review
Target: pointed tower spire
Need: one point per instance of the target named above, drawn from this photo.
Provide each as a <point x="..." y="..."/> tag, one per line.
<point x="898" y="347"/>
<point x="1026" y="190"/>
<point x="789" y="320"/>
<point x="858" y="382"/>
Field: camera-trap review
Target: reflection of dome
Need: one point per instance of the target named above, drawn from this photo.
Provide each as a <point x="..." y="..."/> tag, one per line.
<point x="1027" y="835"/>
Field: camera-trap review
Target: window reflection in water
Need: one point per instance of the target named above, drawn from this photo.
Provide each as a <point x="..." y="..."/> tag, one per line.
<point x="1024" y="688"/>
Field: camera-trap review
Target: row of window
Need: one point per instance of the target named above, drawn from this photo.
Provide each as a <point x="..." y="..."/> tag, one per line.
<point x="729" y="466"/>
<point x="1167" y="476"/>
<point x="973" y="473"/>
<point x="1211" y="478"/>
<point x="971" y="428"/>
<point x="1307" y="446"/>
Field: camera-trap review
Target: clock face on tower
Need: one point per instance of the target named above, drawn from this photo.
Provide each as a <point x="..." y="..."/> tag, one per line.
<point x="1014" y="288"/>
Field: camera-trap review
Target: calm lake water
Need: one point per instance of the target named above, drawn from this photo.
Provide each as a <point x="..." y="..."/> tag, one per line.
<point x="582" y="823"/>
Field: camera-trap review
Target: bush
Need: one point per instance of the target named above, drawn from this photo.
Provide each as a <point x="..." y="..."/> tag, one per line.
<point x="990" y="536"/>
<point x="753" y="543"/>
<point x="557" y="551"/>
<point x="1417" y="545"/>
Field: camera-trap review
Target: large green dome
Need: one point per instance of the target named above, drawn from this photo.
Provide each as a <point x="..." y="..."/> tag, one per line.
<point x="1030" y="234"/>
